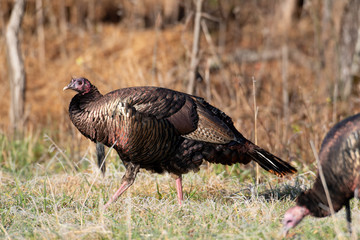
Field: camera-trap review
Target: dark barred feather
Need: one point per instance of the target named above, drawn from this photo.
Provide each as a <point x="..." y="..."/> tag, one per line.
<point x="340" y="161"/>
<point x="164" y="130"/>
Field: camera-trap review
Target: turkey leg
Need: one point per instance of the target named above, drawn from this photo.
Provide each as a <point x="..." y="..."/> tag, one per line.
<point x="100" y="154"/>
<point x="127" y="180"/>
<point x="179" y="189"/>
<point x="348" y="215"/>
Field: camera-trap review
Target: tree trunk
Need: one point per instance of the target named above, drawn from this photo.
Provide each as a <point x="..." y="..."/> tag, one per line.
<point x="2" y="22"/>
<point x="347" y="42"/>
<point x="63" y="29"/>
<point x="40" y="33"/>
<point x="195" y="49"/>
<point x="16" y="68"/>
<point x="355" y="66"/>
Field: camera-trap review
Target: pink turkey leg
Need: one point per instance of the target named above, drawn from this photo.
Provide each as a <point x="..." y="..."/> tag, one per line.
<point x="179" y="190"/>
<point x="124" y="186"/>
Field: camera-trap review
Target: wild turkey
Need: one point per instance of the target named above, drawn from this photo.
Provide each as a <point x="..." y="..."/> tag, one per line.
<point x="340" y="162"/>
<point x="162" y="130"/>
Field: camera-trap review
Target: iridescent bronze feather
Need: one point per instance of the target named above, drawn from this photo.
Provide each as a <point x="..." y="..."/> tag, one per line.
<point x="162" y="130"/>
<point x="340" y="162"/>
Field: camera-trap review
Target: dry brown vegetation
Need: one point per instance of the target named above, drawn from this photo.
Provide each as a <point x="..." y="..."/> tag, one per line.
<point x="284" y="55"/>
<point x="122" y="54"/>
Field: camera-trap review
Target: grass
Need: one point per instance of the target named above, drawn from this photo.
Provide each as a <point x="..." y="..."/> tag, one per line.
<point x="54" y="202"/>
<point x="51" y="188"/>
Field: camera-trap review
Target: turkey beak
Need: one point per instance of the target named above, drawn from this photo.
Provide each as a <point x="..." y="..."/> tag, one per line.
<point x="67" y="87"/>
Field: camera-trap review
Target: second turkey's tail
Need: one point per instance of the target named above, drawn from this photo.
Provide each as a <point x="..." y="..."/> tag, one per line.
<point x="269" y="161"/>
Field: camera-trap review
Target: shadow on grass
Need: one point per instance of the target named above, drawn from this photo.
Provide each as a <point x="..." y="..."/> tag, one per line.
<point x="268" y="192"/>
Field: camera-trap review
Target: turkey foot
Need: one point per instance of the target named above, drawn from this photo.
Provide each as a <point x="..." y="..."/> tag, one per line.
<point x="127" y="180"/>
<point x="124" y="186"/>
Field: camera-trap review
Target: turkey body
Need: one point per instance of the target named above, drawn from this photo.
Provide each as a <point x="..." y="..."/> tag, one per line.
<point x="340" y="162"/>
<point x="162" y="130"/>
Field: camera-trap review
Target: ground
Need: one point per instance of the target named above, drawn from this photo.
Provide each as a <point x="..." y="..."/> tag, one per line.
<point x="50" y="187"/>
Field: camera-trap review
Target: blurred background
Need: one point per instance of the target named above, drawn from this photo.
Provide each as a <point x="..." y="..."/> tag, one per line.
<point x="300" y="58"/>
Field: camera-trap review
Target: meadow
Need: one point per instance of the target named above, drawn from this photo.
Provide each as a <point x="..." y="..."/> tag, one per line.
<point x="47" y="196"/>
<point x="51" y="187"/>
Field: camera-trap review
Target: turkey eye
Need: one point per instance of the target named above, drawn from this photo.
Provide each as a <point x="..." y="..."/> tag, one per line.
<point x="80" y="83"/>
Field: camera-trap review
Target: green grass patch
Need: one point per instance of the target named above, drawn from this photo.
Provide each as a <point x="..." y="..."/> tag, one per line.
<point x="43" y="195"/>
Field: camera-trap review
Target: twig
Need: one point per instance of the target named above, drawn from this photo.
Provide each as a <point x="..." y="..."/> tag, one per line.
<point x="207" y="81"/>
<point x="222" y="37"/>
<point x="250" y="56"/>
<point x="53" y="196"/>
<point x="195" y="49"/>
<point x="71" y="164"/>
<point x="255" y="126"/>
<point x="4" y="230"/>
<point x="37" y="212"/>
<point x="97" y="175"/>
<point x="323" y="181"/>
<point x="335" y="96"/>
<point x="285" y="93"/>
<point x="183" y="31"/>
<point x="209" y="40"/>
<point x="154" y="59"/>
<point x="217" y="57"/>
<point x="242" y="55"/>
<point x="210" y="17"/>
<point x="128" y="214"/>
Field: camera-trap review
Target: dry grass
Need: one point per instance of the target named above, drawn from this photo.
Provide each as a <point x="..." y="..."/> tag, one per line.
<point x="43" y="196"/>
<point x="52" y="201"/>
<point x="57" y="206"/>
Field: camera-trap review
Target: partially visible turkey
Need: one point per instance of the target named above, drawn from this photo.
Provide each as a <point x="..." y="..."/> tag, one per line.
<point x="162" y="130"/>
<point x="340" y="162"/>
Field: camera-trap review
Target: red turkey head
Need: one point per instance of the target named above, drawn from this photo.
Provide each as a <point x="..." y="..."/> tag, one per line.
<point x="293" y="217"/>
<point x="81" y="85"/>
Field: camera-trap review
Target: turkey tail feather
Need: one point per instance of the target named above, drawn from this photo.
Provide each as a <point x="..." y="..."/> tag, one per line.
<point x="270" y="162"/>
<point x="100" y="154"/>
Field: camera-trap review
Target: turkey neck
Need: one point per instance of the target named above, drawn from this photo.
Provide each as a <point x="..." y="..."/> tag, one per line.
<point x="84" y="112"/>
<point x="89" y="97"/>
<point x="315" y="199"/>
